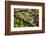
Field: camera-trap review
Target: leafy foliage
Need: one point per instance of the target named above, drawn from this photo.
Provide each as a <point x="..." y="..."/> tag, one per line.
<point x="24" y="18"/>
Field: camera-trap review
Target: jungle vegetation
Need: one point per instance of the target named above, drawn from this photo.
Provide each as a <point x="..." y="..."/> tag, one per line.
<point x="26" y="17"/>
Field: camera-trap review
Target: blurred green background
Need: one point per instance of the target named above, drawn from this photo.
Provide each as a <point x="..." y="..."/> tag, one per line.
<point x="26" y="17"/>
